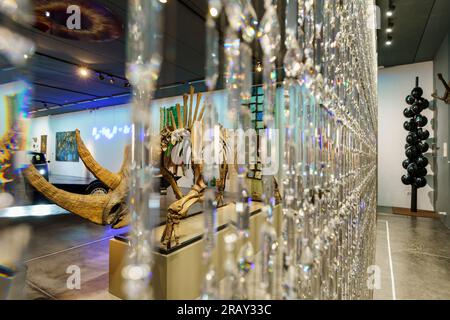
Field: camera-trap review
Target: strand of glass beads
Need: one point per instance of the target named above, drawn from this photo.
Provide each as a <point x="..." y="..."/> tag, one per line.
<point x="145" y="20"/>
<point x="211" y="164"/>
<point x="270" y="39"/>
<point x="238" y="79"/>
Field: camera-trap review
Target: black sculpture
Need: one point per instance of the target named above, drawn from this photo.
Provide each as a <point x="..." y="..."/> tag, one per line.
<point x="416" y="163"/>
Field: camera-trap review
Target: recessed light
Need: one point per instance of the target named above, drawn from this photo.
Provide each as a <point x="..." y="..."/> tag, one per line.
<point x="47" y="14"/>
<point x="163" y="1"/>
<point x="389" y="30"/>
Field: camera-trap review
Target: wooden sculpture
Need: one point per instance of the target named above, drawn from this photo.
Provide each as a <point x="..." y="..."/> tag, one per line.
<point x="446" y="96"/>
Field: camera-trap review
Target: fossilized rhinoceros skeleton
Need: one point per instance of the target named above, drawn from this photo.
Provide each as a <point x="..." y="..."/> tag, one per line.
<point x="111" y="208"/>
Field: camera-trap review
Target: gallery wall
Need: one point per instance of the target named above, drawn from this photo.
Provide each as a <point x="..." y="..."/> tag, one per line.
<point x="442" y="113"/>
<point x="394" y="84"/>
<point x="97" y="129"/>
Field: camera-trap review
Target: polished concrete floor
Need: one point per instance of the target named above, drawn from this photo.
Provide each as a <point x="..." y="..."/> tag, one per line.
<point x="413" y="255"/>
<point x="414" y="258"/>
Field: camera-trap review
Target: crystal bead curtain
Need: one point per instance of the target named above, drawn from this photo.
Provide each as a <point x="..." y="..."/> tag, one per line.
<point x="320" y="107"/>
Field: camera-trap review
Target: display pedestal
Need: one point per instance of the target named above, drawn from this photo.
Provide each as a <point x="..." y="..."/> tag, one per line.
<point x="179" y="272"/>
<point x="417" y="213"/>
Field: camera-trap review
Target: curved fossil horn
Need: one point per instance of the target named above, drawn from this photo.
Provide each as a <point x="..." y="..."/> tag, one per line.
<point x="112" y="180"/>
<point x="90" y="207"/>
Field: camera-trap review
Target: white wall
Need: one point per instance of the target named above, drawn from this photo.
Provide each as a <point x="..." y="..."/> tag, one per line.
<point x="394" y="84"/>
<point x="108" y="152"/>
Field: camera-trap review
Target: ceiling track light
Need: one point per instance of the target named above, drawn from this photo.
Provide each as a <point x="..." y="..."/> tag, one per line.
<point x="101" y="77"/>
<point x="391" y="9"/>
<point x="390" y="27"/>
<point x="83" y="72"/>
<point x="389" y="40"/>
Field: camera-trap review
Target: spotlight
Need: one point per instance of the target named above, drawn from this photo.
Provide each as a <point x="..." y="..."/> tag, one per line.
<point x="389" y="41"/>
<point x="101" y="77"/>
<point x="390" y="27"/>
<point x="83" y="72"/>
<point x="391" y="9"/>
<point x="47" y="14"/>
<point x="111" y="80"/>
<point x="259" y="67"/>
<point x="213" y="12"/>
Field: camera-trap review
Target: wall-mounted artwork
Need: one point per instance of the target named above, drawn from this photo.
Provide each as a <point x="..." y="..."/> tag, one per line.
<point x="66" y="147"/>
<point x="44" y="144"/>
<point x="34" y="144"/>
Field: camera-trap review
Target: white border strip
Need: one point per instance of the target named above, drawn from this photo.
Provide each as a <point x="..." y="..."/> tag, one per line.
<point x="68" y="249"/>
<point x="394" y="297"/>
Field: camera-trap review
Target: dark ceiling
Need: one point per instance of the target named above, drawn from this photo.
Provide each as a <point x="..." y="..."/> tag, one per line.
<point x="420" y="26"/>
<point x="419" y="29"/>
<point x="58" y="88"/>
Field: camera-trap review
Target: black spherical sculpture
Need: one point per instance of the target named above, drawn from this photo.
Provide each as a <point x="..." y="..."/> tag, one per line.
<point x="406" y="163"/>
<point x="423" y="147"/>
<point x="416" y="109"/>
<point x="420" y="182"/>
<point x="417" y="93"/>
<point x="413" y="169"/>
<point x="423" y="134"/>
<point x="412" y="138"/>
<point x="410" y="125"/>
<point x="410" y="100"/>
<point x="416" y="163"/>
<point x="407" y="180"/>
<point x="424" y="103"/>
<point x="421" y="121"/>
<point x="408" y="113"/>
<point x="421" y="161"/>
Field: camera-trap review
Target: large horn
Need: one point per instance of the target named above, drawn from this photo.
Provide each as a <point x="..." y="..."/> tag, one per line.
<point x="90" y="207"/>
<point x="112" y="180"/>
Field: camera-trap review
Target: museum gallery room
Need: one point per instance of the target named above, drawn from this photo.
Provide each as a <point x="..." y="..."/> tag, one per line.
<point x="224" y="150"/>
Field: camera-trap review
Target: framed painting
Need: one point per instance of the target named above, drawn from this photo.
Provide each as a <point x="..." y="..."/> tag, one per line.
<point x="66" y="147"/>
<point x="44" y="144"/>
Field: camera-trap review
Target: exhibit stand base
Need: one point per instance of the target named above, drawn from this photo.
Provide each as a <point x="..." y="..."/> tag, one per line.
<point x="178" y="273"/>
<point x="419" y="213"/>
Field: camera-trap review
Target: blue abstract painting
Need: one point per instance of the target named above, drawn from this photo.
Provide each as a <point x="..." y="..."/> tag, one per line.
<point x="66" y="147"/>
